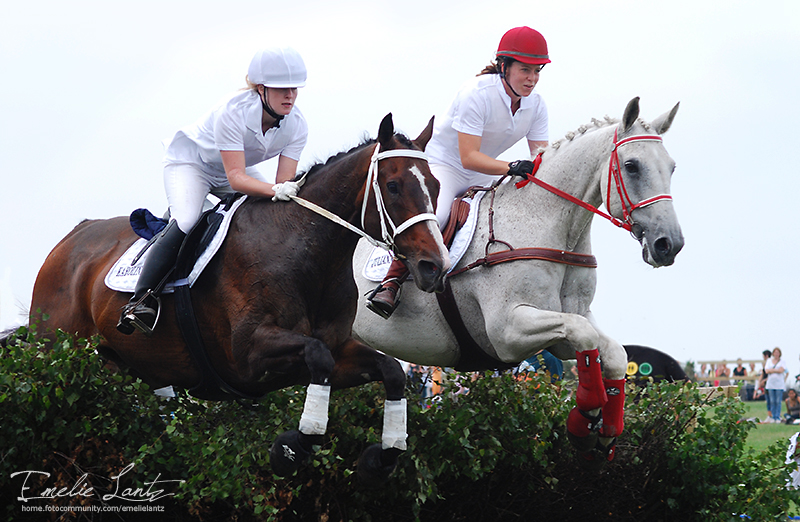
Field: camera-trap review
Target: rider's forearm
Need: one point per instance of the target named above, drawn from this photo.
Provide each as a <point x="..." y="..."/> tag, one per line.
<point x="241" y="182"/>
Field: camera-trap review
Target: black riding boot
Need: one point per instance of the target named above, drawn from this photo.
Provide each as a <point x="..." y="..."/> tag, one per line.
<point x="141" y="311"/>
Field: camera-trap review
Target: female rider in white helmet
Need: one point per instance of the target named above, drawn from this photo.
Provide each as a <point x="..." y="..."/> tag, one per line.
<point x="217" y="155"/>
<point x="490" y="113"/>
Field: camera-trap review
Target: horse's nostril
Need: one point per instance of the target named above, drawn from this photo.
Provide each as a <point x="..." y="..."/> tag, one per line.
<point x="663" y="245"/>
<point x="428" y="269"/>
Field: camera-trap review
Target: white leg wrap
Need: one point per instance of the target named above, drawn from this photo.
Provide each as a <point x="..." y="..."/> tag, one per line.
<point x="395" y="425"/>
<point x="314" y="419"/>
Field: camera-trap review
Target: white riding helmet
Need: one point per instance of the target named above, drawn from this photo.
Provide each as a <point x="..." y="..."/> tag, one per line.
<point x="277" y="67"/>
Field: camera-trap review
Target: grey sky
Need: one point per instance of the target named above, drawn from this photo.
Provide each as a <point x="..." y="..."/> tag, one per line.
<point x="90" y="89"/>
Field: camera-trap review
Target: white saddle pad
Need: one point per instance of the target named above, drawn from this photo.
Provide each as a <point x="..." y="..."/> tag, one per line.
<point x="379" y="259"/>
<point x="123" y="275"/>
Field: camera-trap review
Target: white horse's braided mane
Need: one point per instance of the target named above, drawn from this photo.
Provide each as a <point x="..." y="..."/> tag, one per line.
<point x="595" y="124"/>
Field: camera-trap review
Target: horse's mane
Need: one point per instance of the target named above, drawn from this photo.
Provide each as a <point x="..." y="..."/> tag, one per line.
<point x="583" y="129"/>
<point x="594" y="125"/>
<point x="365" y="141"/>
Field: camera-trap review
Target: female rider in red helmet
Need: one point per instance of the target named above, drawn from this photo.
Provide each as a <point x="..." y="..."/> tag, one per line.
<point x="490" y="113"/>
<point x="217" y="155"/>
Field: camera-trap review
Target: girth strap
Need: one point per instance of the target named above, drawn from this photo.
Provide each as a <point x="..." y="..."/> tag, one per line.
<point x="473" y="358"/>
<point x="211" y="386"/>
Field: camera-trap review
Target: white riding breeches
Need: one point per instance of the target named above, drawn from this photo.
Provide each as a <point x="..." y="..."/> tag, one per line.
<point x="452" y="183"/>
<point x="187" y="187"/>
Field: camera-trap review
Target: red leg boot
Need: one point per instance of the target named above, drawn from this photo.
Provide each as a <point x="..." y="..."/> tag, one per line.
<point x="582" y="426"/>
<point x="613" y="421"/>
<point x="385" y="298"/>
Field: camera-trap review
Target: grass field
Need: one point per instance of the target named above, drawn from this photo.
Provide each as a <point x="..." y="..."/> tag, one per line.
<point x="766" y="434"/>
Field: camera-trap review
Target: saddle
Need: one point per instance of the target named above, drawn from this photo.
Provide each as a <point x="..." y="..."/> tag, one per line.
<point x="459" y="212"/>
<point x="147" y="226"/>
<point x="205" y="238"/>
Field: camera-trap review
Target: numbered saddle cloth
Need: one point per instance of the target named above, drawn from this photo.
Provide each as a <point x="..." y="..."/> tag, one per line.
<point x="379" y="259"/>
<point x="123" y="275"/>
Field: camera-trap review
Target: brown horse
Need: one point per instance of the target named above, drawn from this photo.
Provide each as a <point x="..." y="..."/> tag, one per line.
<point x="276" y="305"/>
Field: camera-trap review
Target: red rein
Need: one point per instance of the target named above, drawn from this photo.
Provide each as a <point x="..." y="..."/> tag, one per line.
<point x="614" y="173"/>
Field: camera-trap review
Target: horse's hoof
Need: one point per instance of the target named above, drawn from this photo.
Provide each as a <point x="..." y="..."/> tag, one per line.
<point x="596" y="458"/>
<point x="373" y="470"/>
<point x="583" y="430"/>
<point x="287" y="454"/>
<point x="591" y="460"/>
<point x="607" y="450"/>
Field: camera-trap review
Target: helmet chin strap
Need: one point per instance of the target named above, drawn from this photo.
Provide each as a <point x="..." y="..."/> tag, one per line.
<point x="503" y="76"/>
<point x="265" y="104"/>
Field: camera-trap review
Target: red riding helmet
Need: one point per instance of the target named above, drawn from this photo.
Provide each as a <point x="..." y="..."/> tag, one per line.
<point x="525" y="45"/>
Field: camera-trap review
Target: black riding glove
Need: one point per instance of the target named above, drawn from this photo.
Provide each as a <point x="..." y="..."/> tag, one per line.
<point x="522" y="168"/>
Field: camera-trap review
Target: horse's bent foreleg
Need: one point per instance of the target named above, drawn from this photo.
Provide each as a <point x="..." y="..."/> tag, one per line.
<point x="314" y="420"/>
<point x="355" y="364"/>
<point x="521" y="332"/>
<point x="293" y="447"/>
<point x="527" y="329"/>
<point x="614" y="365"/>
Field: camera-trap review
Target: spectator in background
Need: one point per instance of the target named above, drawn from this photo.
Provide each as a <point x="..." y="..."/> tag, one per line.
<point x="419" y="378"/>
<point x="797" y="383"/>
<point x="762" y="381"/>
<point x="792" y="415"/>
<point x="775" y="369"/>
<point x="704" y="372"/>
<point x="739" y="371"/>
<point x="546" y="361"/>
<point x="722" y="374"/>
<point x="759" y="393"/>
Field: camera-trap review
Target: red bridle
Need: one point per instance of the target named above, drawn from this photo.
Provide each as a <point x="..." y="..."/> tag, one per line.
<point x="614" y="173"/>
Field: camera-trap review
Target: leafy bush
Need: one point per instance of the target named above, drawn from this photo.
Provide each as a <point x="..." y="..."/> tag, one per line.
<point x="496" y="451"/>
<point x="62" y="412"/>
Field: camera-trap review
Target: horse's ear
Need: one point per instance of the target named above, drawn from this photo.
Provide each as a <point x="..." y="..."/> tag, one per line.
<point x="630" y="115"/>
<point x="386" y="131"/>
<point x="664" y="122"/>
<point x="425" y="136"/>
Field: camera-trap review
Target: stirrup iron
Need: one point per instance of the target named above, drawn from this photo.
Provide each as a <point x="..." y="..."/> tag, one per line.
<point x="132" y="320"/>
<point x="372" y="293"/>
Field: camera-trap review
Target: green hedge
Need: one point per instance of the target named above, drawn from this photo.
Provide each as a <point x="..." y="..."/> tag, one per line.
<point x="496" y="452"/>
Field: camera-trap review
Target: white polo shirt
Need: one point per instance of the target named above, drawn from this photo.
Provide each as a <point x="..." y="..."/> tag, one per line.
<point x="775" y="381"/>
<point x="236" y="125"/>
<point x="483" y="108"/>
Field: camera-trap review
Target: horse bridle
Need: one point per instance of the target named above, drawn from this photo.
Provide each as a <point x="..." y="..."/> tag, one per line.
<point x="615" y="173"/>
<point x="388" y="229"/>
<point x="383" y="213"/>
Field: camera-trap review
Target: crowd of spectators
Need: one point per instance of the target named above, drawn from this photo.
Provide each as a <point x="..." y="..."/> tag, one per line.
<point x="770" y="383"/>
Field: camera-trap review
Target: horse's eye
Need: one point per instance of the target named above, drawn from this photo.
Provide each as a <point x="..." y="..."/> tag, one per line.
<point x="632" y="167"/>
<point x="393" y="188"/>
